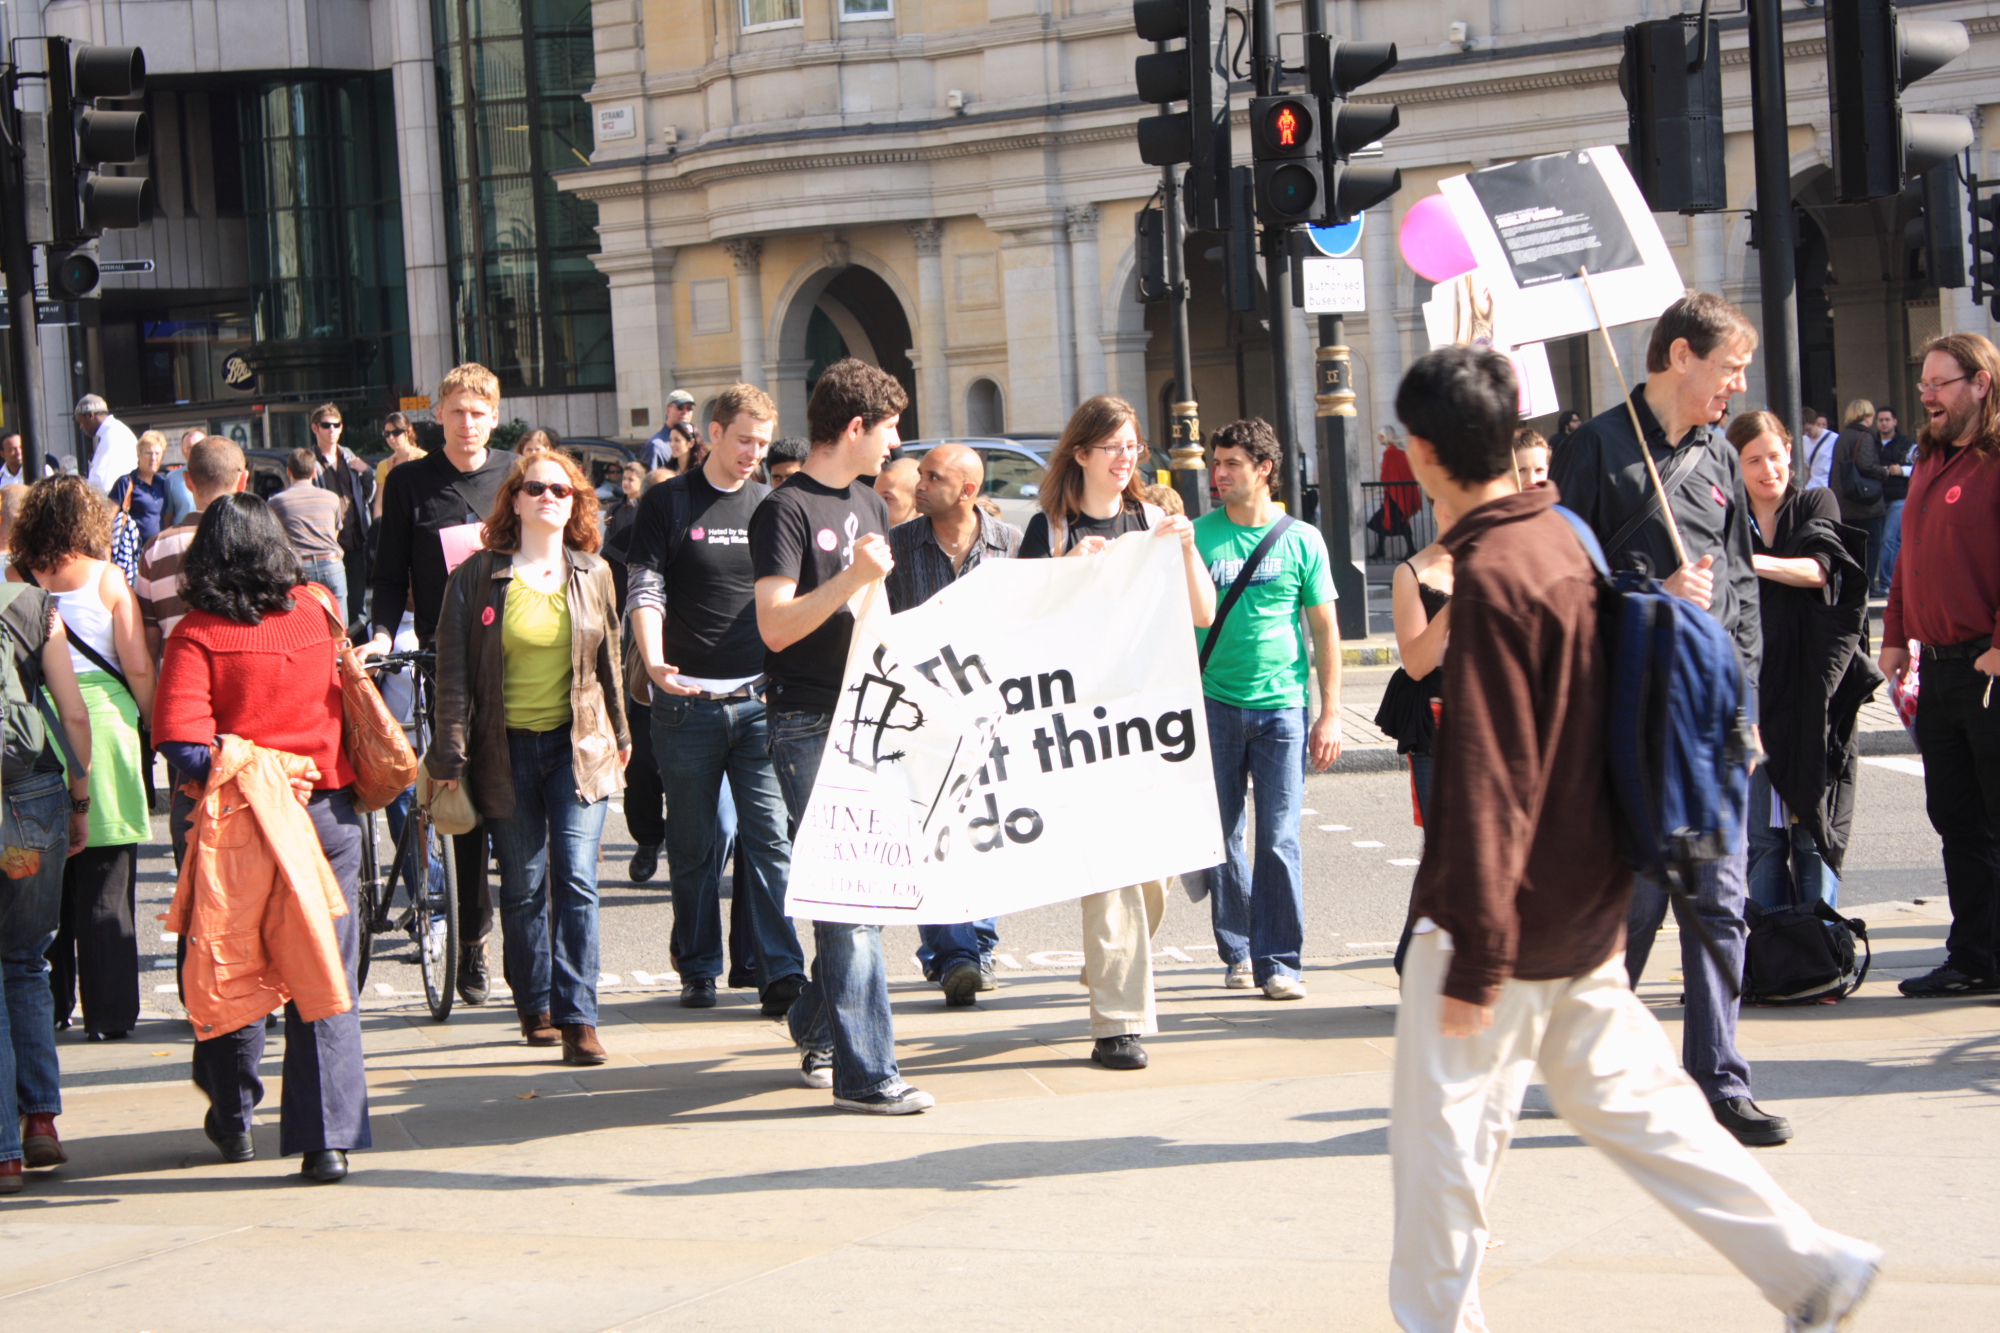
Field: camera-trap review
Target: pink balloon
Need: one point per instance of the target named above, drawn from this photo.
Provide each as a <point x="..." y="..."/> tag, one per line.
<point x="1432" y="243"/>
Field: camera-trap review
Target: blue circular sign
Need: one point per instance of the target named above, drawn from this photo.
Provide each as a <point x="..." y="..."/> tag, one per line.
<point x="1337" y="242"/>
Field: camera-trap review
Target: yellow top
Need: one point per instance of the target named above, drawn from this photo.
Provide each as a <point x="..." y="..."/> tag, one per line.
<point x="535" y="656"/>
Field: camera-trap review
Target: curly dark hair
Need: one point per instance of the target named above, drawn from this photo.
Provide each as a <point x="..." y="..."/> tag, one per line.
<point x="62" y="517"/>
<point x="239" y="565"/>
<point x="848" y="389"/>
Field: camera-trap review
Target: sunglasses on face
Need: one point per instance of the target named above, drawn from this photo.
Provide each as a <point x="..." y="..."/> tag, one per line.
<point x="394" y="434"/>
<point x="562" y="490"/>
<point x="327" y="425"/>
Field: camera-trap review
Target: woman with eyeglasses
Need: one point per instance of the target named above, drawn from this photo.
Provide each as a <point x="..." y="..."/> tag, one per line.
<point x="531" y="716"/>
<point x="1094" y="493"/>
<point x="401" y="438"/>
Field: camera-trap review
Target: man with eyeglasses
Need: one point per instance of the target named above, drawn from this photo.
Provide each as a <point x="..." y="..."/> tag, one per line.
<point x="1945" y="596"/>
<point x="354" y="482"/>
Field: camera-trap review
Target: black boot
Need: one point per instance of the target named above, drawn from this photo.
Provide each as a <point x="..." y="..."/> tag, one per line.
<point x="473" y="983"/>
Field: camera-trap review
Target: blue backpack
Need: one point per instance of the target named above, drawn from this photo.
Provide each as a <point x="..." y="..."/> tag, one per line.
<point x="1677" y="739"/>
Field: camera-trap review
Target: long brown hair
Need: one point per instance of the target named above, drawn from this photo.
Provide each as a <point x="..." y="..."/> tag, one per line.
<point x="1973" y="354"/>
<point x="1094" y="421"/>
<point x="502" y="531"/>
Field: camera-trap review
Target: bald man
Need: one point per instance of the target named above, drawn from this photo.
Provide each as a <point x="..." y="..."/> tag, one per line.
<point x="945" y="542"/>
<point x="896" y="483"/>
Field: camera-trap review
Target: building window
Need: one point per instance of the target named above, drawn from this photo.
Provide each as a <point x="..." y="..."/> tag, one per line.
<point x="526" y="299"/>
<point x="770" y="14"/>
<point x="708" y="302"/>
<point x="866" y="9"/>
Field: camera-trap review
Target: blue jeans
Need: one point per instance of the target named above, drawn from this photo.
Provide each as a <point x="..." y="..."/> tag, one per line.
<point x="37" y="820"/>
<point x="844" y="1007"/>
<point x="547" y="851"/>
<point x="1892" y="542"/>
<point x="1785" y="866"/>
<point x="1259" y="914"/>
<point x="329" y="574"/>
<point x="699" y="743"/>
<point x="1708" y="1032"/>
<point x="942" y="948"/>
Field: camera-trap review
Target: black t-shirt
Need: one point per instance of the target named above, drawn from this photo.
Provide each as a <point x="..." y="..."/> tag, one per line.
<point x="1035" y="541"/>
<point x="711" y="584"/>
<point x="422" y="498"/>
<point x="806" y="531"/>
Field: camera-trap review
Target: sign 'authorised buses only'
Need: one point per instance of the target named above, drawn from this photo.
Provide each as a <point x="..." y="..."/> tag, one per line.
<point x="1033" y="733"/>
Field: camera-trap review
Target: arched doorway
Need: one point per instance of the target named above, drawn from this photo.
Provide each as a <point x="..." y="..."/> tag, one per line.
<point x="835" y="313"/>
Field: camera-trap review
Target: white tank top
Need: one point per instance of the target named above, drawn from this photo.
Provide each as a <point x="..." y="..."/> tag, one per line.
<point x="86" y="618"/>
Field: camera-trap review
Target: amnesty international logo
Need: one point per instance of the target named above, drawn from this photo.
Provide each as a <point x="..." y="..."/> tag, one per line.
<point x="880" y="706"/>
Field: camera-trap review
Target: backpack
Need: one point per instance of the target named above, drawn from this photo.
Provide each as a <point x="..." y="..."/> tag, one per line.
<point x="1677" y="739"/>
<point x="1801" y="955"/>
<point x="24" y="729"/>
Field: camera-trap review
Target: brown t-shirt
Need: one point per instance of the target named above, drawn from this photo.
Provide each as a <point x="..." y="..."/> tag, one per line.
<point x="1521" y="860"/>
<point x="312" y="520"/>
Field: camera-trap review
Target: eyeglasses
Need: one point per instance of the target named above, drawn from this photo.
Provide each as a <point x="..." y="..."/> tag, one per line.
<point x="1932" y="386"/>
<point x="326" y="425"/>
<point x="394" y="434"/>
<point x="562" y="490"/>
<point x="1132" y="450"/>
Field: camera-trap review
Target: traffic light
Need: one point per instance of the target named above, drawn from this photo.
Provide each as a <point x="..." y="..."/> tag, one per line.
<point x="1199" y="135"/>
<point x="83" y="135"/>
<point x="1985" y="266"/>
<point x="1151" y="230"/>
<point x="1285" y="148"/>
<point x="1335" y="69"/>
<point x="1943" y="227"/>
<point x="73" y="271"/>
<point x="1672" y="80"/>
<point x="1873" y="54"/>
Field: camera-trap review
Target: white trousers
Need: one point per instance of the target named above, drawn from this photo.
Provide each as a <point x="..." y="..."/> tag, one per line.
<point x="1118" y="957"/>
<point x="1611" y="1074"/>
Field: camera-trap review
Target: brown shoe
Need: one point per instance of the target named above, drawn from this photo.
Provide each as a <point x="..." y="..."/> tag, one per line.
<point x="40" y="1146"/>
<point x="540" y="1031"/>
<point x="580" y="1045"/>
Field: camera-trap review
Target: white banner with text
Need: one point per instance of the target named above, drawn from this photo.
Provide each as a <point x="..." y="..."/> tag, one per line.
<point x="1033" y="733"/>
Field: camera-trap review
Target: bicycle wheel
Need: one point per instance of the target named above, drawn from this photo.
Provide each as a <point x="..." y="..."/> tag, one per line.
<point x="366" y="891"/>
<point x="437" y="910"/>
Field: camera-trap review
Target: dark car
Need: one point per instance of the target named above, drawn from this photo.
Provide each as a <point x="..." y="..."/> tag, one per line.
<point x="601" y="460"/>
<point x="268" y="474"/>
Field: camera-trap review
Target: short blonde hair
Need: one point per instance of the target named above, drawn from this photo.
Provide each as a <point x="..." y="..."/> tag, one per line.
<point x="471" y="378"/>
<point x="1858" y="411"/>
<point x="153" y="437"/>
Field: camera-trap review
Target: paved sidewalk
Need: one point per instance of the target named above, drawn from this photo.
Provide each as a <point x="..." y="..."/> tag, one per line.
<point x="1242" y="1182"/>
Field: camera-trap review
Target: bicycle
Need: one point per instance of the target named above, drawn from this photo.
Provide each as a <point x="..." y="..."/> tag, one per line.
<point x="431" y="919"/>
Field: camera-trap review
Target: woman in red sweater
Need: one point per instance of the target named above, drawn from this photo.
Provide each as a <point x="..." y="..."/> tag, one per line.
<point x="255" y="657"/>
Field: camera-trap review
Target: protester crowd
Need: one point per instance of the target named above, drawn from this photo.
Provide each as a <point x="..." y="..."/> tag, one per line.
<point x="684" y="643"/>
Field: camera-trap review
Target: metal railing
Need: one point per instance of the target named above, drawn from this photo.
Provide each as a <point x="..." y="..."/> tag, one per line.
<point x="1398" y="519"/>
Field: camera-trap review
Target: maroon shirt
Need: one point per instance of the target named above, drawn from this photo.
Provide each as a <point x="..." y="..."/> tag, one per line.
<point x="1946" y="588"/>
<point x="1521" y="860"/>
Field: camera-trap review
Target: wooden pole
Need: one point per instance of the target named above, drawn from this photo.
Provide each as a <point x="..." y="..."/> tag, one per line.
<point x="1645" y="450"/>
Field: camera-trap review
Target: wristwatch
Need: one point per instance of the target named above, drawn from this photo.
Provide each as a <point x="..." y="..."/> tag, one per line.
<point x="79" y="805"/>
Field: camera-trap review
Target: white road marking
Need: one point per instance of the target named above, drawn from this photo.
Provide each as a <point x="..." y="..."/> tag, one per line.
<point x="1178" y="955"/>
<point x="1364" y="842"/>
<point x="1308" y="811"/>
<point x="1199" y="947"/>
<point x="168" y="936"/>
<point x="608" y="979"/>
<point x="384" y="988"/>
<point x="1898" y="764"/>
<point x="641" y="978"/>
<point x="1007" y="960"/>
<point x="165" y="990"/>
<point x="1404" y="861"/>
<point x="1335" y="828"/>
<point x="1056" y="958"/>
<point x="1379" y="945"/>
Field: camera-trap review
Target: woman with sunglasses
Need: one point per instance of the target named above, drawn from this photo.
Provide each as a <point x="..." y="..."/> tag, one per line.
<point x="401" y="438"/>
<point x="1093" y="494"/>
<point x="531" y="717"/>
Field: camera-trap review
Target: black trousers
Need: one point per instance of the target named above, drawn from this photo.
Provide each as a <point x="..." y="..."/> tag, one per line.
<point x="469" y="852"/>
<point x="1959" y="737"/>
<point x="645" y="802"/>
<point x="326" y="1091"/>
<point x="96" y="949"/>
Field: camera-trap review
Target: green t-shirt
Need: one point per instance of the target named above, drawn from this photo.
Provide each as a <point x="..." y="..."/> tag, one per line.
<point x="535" y="661"/>
<point x="1261" y="661"/>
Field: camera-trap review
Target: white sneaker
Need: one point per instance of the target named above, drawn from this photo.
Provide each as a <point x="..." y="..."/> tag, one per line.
<point x="1853" y="1271"/>
<point x="905" y="1100"/>
<point x="1282" y="987"/>
<point x="816" y="1069"/>
<point x="1240" y="977"/>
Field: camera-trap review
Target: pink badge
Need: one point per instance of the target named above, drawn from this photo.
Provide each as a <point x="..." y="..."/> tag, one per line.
<point x="826" y="539"/>
<point x="1951" y="496"/>
<point x="486" y="616"/>
<point x="696" y="534"/>
<point x="1720" y="498"/>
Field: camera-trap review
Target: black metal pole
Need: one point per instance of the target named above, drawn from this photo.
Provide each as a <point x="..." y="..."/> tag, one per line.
<point x="1190" y="472"/>
<point x="1278" y="276"/>
<point x="17" y="260"/>
<point x="1777" y="241"/>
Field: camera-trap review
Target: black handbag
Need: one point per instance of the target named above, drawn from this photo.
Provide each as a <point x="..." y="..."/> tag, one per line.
<point x="1803" y="955"/>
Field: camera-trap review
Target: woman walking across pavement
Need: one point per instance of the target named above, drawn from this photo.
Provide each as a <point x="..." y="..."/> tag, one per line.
<point x="62" y="543"/>
<point x="1813" y="600"/>
<point x="531" y="717"/>
<point x="1092" y="495"/>
<point x="255" y="659"/>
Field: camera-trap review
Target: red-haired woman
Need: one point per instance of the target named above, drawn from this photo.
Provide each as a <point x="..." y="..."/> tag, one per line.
<point x="530" y="715"/>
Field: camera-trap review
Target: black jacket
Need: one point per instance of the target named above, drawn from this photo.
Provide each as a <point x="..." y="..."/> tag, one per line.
<point x="1860" y="444"/>
<point x="1900" y="450"/>
<point x="1817" y="672"/>
<point x="1601" y="477"/>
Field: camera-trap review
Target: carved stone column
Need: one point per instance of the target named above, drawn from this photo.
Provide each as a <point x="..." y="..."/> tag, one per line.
<point x="1385" y="335"/>
<point x="1036" y="298"/>
<point x="413" y="76"/>
<point x="1082" y="219"/>
<point x="642" y="327"/>
<point x="748" y="252"/>
<point x="936" y="413"/>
